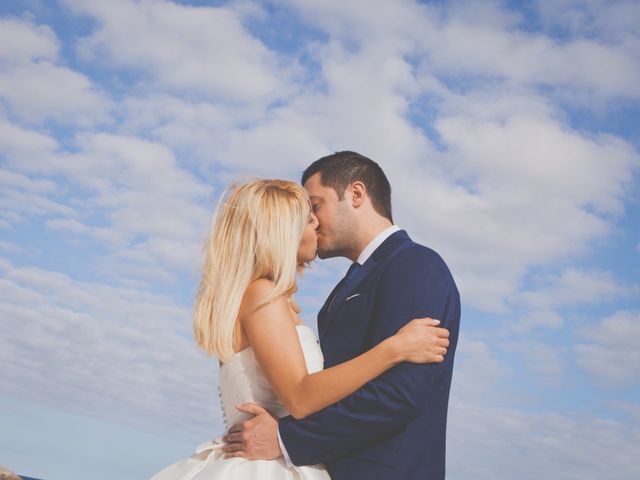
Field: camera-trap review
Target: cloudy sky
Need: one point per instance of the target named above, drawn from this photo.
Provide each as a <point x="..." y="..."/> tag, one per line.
<point x="510" y="134"/>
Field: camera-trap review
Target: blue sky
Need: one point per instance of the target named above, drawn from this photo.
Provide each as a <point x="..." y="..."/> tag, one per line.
<point x="510" y="135"/>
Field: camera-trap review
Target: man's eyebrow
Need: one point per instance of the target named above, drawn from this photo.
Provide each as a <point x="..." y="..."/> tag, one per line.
<point x="314" y="197"/>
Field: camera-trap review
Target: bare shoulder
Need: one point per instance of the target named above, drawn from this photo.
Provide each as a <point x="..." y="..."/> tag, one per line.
<point x="259" y="287"/>
<point x="255" y="294"/>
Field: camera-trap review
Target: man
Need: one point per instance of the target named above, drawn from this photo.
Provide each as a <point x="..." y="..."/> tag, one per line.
<point x="394" y="427"/>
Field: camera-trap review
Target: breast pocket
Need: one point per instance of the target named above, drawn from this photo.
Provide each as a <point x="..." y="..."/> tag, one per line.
<point x="349" y="325"/>
<point x="352" y="304"/>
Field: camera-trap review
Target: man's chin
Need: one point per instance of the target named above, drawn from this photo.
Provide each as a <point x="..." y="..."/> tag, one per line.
<point x="324" y="254"/>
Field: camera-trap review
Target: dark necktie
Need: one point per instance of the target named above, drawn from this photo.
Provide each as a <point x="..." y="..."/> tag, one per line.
<point x="355" y="266"/>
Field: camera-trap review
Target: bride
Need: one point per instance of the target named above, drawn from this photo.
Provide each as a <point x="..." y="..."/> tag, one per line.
<point x="262" y="234"/>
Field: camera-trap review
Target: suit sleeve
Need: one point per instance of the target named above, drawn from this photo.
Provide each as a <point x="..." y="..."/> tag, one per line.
<point x="417" y="283"/>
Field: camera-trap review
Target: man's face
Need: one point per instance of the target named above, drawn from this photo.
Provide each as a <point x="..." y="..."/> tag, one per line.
<point x="335" y="218"/>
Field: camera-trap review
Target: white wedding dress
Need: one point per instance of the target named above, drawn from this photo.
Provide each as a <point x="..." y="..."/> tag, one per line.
<point x="241" y="380"/>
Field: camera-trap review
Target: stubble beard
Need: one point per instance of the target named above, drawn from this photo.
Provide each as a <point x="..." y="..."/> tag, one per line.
<point x="342" y="238"/>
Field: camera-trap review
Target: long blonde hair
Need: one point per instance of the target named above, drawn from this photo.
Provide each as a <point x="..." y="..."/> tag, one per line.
<point x="255" y="233"/>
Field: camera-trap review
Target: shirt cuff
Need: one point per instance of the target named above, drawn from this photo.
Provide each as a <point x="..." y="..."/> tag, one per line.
<point x="284" y="451"/>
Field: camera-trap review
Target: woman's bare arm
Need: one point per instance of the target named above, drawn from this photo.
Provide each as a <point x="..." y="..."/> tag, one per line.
<point x="272" y="335"/>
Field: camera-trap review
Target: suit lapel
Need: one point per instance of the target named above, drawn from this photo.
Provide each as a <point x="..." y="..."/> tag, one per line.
<point x="350" y="286"/>
<point x="327" y="316"/>
<point x="327" y="302"/>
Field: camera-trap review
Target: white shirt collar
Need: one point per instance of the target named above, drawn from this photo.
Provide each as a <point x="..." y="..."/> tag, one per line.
<point x="375" y="243"/>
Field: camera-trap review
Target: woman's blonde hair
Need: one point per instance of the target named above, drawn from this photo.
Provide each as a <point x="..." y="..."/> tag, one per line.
<point x="255" y="233"/>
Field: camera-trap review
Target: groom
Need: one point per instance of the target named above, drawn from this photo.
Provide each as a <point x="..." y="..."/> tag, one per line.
<point x="394" y="427"/>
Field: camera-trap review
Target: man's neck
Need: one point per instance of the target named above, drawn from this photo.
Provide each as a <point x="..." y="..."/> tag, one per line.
<point x="366" y="233"/>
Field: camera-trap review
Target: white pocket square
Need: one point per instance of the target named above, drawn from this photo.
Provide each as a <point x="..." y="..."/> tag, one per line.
<point x="352" y="296"/>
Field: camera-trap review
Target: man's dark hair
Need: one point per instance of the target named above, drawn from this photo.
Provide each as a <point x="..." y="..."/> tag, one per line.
<point x="341" y="169"/>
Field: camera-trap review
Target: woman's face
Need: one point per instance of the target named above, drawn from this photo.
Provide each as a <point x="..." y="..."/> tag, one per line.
<point x="309" y="243"/>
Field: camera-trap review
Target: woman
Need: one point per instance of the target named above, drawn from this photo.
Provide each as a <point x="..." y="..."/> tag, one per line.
<point x="264" y="232"/>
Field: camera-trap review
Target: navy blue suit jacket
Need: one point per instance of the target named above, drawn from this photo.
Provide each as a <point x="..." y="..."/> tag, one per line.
<point x="393" y="427"/>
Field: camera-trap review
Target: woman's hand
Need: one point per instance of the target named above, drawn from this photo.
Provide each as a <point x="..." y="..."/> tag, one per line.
<point x="422" y="341"/>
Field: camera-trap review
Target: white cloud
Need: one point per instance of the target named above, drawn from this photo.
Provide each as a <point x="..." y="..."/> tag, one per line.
<point x="519" y="189"/>
<point x="610" y="20"/>
<point x="122" y="354"/>
<point x="26" y="151"/>
<point x="611" y="355"/>
<point x="35" y="87"/>
<point x="10" y="247"/>
<point x="536" y="319"/>
<point x="478" y="371"/>
<point x="203" y="50"/>
<point x="26" y="148"/>
<point x="8" y="178"/>
<point x="508" y="168"/>
<point x="153" y="208"/>
<point x="23" y="197"/>
<point x="197" y="128"/>
<point x="42" y="91"/>
<point x="230" y="139"/>
<point x="22" y="42"/>
<point x="543" y="157"/>
<point x="534" y="59"/>
<point x="546" y="363"/>
<point x="105" y="236"/>
<point x="484" y="40"/>
<point x="284" y="140"/>
<point x="628" y="408"/>
<point x="573" y="287"/>
<point x="452" y="101"/>
<point x="530" y="189"/>
<point x="485" y="442"/>
<point x="496" y="430"/>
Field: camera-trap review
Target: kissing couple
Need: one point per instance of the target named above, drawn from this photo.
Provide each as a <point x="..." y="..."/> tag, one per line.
<point x="369" y="400"/>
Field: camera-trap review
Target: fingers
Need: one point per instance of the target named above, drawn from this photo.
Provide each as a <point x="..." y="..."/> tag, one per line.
<point x="427" y="321"/>
<point x="234" y="450"/>
<point x="233" y="438"/>
<point x="235" y="428"/>
<point x="233" y="447"/>
<point x="432" y="322"/>
<point x="428" y="356"/>
<point x="439" y="350"/>
<point x="442" y="332"/>
<point x="251" y="408"/>
<point x="435" y="354"/>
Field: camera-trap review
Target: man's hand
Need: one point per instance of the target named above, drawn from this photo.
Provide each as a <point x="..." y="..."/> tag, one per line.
<point x="255" y="439"/>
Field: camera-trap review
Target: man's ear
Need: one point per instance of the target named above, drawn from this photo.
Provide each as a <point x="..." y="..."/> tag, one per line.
<point x="358" y="194"/>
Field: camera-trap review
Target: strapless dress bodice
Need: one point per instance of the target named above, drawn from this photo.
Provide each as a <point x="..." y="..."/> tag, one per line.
<point x="241" y="380"/>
